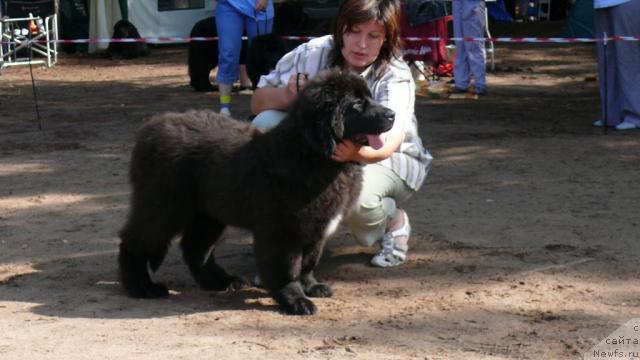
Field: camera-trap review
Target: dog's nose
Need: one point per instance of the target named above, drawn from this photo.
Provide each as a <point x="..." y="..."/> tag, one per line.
<point x="389" y="114"/>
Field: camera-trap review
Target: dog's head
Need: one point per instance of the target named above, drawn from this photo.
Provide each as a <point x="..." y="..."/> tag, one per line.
<point x="123" y="29"/>
<point x="337" y="105"/>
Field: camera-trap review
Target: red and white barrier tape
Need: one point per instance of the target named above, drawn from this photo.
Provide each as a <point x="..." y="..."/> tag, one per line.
<point x="167" y="40"/>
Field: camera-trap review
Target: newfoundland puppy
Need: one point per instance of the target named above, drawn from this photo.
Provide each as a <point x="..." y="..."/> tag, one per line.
<point x="124" y="29"/>
<point x="203" y="55"/>
<point x="197" y="172"/>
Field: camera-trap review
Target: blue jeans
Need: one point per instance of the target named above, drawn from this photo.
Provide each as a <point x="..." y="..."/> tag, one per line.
<point x="469" y="21"/>
<point x="231" y="24"/>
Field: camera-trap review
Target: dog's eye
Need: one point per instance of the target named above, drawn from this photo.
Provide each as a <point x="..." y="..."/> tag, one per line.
<point x="358" y="106"/>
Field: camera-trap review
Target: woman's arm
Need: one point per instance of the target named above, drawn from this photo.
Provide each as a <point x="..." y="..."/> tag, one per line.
<point x="399" y="96"/>
<point x="270" y="98"/>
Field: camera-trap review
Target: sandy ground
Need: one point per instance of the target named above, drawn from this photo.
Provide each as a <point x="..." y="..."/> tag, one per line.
<point x="524" y="245"/>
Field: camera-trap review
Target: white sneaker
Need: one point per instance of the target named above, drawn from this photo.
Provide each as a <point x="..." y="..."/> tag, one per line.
<point x="626" y="125"/>
<point x="390" y="254"/>
<point x="225" y="111"/>
<point x="598" y="123"/>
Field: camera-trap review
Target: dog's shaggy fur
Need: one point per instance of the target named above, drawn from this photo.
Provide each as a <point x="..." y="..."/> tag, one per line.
<point x="124" y="29"/>
<point x="264" y="53"/>
<point x="203" y="55"/>
<point x="195" y="173"/>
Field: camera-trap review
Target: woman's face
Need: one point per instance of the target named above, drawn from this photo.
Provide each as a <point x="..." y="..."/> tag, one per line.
<point x="362" y="44"/>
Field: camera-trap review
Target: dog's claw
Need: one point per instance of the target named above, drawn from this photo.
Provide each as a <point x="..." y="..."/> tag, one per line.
<point x="301" y="306"/>
<point x="319" y="290"/>
<point x="238" y="283"/>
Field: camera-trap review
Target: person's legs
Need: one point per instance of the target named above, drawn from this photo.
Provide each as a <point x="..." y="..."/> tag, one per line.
<point x="473" y="23"/>
<point x="255" y="27"/>
<point x="625" y="22"/>
<point x="230" y="27"/>
<point x="461" y="66"/>
<point x="524" y="9"/>
<point x="610" y="100"/>
<point x="376" y="216"/>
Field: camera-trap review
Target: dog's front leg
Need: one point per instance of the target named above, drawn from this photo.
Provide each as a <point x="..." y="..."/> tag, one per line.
<point x="310" y="259"/>
<point x="279" y="261"/>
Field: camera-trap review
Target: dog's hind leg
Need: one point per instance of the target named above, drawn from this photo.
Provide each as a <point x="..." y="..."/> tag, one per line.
<point x="279" y="259"/>
<point x="198" y="245"/>
<point x="142" y="247"/>
<point x="134" y="276"/>
<point x="310" y="259"/>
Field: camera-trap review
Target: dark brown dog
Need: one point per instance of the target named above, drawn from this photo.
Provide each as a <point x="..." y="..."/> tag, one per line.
<point x="195" y="173"/>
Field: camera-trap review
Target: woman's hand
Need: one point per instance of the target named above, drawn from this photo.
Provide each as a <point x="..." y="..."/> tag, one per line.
<point x="347" y="150"/>
<point x="268" y="98"/>
<point x="261" y="5"/>
<point x="295" y="85"/>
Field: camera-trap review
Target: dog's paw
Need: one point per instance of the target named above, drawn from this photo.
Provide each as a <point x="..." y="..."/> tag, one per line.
<point x="149" y="291"/>
<point x="238" y="283"/>
<point x="301" y="306"/>
<point x="319" y="290"/>
<point x="213" y="283"/>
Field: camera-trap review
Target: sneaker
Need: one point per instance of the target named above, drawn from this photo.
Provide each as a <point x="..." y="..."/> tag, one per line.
<point x="457" y="90"/>
<point x="390" y="254"/>
<point x="480" y="91"/>
<point x="598" y="123"/>
<point x="225" y="111"/>
<point x="626" y="125"/>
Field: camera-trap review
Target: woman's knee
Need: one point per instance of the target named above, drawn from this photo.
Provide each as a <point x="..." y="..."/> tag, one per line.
<point x="268" y="119"/>
<point x="368" y="219"/>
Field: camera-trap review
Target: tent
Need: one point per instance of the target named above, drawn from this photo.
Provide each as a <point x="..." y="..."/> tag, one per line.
<point x="581" y="19"/>
<point x="152" y="18"/>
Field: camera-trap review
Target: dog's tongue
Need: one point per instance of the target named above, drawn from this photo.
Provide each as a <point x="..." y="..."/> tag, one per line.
<point x="375" y="141"/>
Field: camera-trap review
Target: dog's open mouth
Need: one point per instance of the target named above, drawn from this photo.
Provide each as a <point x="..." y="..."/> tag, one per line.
<point x="375" y="141"/>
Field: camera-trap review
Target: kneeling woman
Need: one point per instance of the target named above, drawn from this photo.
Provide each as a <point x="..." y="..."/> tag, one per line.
<point x="365" y="39"/>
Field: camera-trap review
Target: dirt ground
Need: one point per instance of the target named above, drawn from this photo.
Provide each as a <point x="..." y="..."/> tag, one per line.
<point x="524" y="244"/>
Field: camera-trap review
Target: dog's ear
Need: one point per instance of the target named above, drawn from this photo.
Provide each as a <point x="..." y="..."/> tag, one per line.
<point x="319" y="111"/>
<point x="322" y="132"/>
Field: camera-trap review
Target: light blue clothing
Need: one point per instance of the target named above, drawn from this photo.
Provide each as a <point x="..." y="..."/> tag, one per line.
<point x="232" y="23"/>
<point x="619" y="73"/>
<point x="248" y="8"/>
<point x="268" y="119"/>
<point x="599" y="4"/>
<point x="469" y="20"/>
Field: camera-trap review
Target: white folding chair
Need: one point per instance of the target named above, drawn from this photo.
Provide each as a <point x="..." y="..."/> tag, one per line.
<point x="491" y="50"/>
<point x="29" y="29"/>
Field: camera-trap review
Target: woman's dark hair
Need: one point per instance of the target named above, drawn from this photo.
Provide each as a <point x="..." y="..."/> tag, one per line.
<point x="353" y="12"/>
